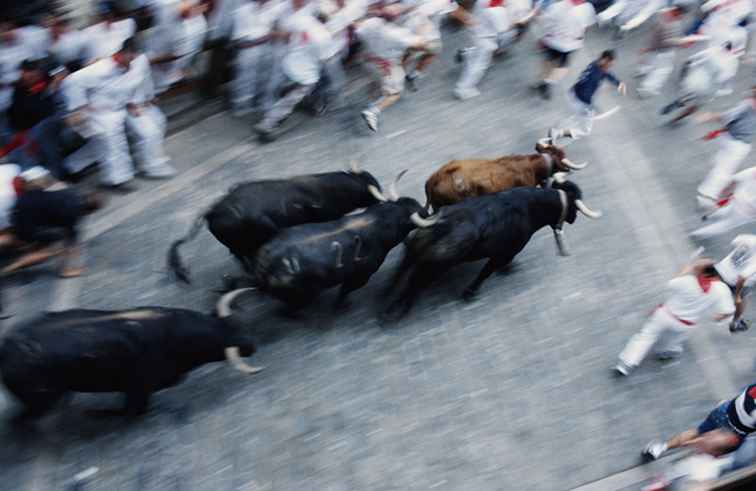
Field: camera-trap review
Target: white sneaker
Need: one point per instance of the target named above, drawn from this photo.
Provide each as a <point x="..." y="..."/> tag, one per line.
<point x="163" y="171"/>
<point x="371" y="119"/>
<point x="464" y="94"/>
<point x="623" y="369"/>
<point x="654" y="450"/>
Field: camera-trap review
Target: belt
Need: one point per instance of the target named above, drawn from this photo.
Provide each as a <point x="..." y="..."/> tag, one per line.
<point x="682" y="321"/>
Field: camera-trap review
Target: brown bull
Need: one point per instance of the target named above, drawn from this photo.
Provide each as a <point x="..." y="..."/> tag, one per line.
<point x="460" y="179"/>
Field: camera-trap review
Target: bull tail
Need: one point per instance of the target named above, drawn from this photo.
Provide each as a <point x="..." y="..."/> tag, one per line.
<point x="175" y="264"/>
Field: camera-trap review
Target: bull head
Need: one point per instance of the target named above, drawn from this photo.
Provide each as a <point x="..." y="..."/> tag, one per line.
<point x="232" y="352"/>
<point x="546" y="146"/>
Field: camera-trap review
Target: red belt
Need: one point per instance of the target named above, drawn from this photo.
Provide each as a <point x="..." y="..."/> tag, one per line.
<point x="683" y="321"/>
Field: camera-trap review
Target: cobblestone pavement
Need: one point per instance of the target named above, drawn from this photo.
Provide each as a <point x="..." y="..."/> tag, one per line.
<point x="512" y="391"/>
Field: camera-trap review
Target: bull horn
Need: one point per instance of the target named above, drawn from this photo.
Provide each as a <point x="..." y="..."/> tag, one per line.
<point x="424" y="222"/>
<point x="587" y="211"/>
<point x="393" y="194"/>
<point x="572" y="165"/>
<point x="223" y="306"/>
<point x="560" y="177"/>
<point x="234" y="358"/>
<point x="376" y="193"/>
<point x="354" y="167"/>
<point x="544" y="141"/>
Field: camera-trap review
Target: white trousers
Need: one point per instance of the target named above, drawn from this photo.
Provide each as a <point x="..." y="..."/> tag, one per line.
<point x="107" y="145"/>
<point x="147" y="132"/>
<point x="246" y="83"/>
<point x="730" y="155"/>
<point x="728" y="217"/>
<point x="661" y="325"/>
<point x="285" y="106"/>
<point x="580" y="123"/>
<point x="478" y="58"/>
<point x="656" y="69"/>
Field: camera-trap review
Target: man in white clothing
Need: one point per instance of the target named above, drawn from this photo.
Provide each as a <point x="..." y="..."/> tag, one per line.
<point x="425" y="20"/>
<point x="564" y="24"/>
<point x="309" y="43"/>
<point x="99" y="98"/>
<point x="251" y="37"/>
<point x="696" y="292"/>
<point x="733" y="212"/>
<point x="146" y="124"/>
<point x="108" y="35"/>
<point x="387" y="44"/>
<point x="175" y="42"/>
<point x="68" y="45"/>
<point x="738" y="270"/>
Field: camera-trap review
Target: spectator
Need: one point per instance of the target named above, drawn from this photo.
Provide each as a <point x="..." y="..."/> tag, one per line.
<point x="35" y="97"/>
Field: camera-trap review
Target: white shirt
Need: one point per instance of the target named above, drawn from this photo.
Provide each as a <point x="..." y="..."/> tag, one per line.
<point x="740" y="262"/>
<point x="731" y="12"/>
<point x="723" y="33"/>
<point x="253" y="20"/>
<point x="104" y="40"/>
<point x="690" y="298"/>
<point x="339" y="22"/>
<point x="386" y="40"/>
<point x="309" y="47"/>
<point x="71" y="46"/>
<point x="103" y="85"/>
<point x="180" y="37"/>
<point x="564" y="24"/>
<point x="425" y="20"/>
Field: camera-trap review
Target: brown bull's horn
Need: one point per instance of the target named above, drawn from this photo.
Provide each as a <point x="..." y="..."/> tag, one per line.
<point x="223" y="307"/>
<point x="572" y="165"/>
<point x="587" y="211"/>
<point x="424" y="222"/>
<point x="393" y="194"/>
<point x="376" y="193"/>
<point x="560" y="177"/>
<point x="234" y="358"/>
<point x="354" y="167"/>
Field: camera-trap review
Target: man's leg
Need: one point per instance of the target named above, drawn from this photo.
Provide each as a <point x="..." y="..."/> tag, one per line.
<point x="148" y="132"/>
<point x="661" y="67"/>
<point x="726" y="162"/>
<point x="243" y="86"/>
<point x="283" y="108"/>
<point x="477" y="61"/>
<point x="36" y="256"/>
<point x="117" y="167"/>
<point x="642" y="342"/>
<point x="725" y="218"/>
<point x="671" y="344"/>
<point x="392" y="87"/>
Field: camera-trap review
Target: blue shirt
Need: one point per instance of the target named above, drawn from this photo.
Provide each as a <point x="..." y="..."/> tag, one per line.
<point x="589" y="82"/>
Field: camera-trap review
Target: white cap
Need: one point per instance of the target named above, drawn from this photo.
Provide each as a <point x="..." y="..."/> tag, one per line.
<point x="34" y="173"/>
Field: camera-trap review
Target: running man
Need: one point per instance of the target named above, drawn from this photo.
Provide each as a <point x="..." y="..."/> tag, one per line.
<point x="736" y="418"/>
<point x="696" y="291"/>
<point x="580" y="97"/>
<point x="738" y="270"/>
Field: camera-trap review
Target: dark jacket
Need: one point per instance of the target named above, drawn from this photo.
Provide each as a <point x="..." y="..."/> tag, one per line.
<point x="30" y="106"/>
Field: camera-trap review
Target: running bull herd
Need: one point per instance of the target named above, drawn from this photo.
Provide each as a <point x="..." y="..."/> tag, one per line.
<point x="294" y="239"/>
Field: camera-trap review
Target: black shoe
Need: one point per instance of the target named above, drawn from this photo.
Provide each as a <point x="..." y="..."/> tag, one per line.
<point x="544" y="90"/>
<point x="670" y="107"/>
<point x="123" y="188"/>
<point x="739" y="325"/>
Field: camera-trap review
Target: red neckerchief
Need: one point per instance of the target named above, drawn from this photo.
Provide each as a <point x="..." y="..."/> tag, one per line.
<point x="705" y="282"/>
<point x="38" y="87"/>
<point x="577" y="2"/>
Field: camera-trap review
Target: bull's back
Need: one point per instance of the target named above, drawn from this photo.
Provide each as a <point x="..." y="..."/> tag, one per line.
<point x="461" y="179"/>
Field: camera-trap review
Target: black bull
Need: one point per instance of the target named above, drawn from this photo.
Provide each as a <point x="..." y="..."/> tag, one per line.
<point x="253" y="212"/>
<point x="304" y="260"/>
<point x="137" y="352"/>
<point x="494" y="227"/>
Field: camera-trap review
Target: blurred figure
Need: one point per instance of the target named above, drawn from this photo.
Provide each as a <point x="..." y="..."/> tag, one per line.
<point x="220" y="18"/>
<point x="734" y="211"/>
<point x="251" y="37"/>
<point x="175" y="42"/>
<point x="34" y="97"/>
<point x="308" y="50"/>
<point x="658" y="58"/>
<point x="9" y="174"/>
<point x="564" y="24"/>
<point x="629" y="14"/>
<point x="146" y="124"/>
<point x="736" y="418"/>
<point x="696" y="292"/>
<point x="100" y="97"/>
<point x="46" y="223"/>
<point x="425" y="21"/>
<point x="68" y="45"/>
<point x="106" y="37"/>
<point x="735" y="136"/>
<point x="386" y="44"/>
<point x="580" y="97"/>
<point x="491" y="29"/>
<point x="738" y="270"/>
<point x="704" y="75"/>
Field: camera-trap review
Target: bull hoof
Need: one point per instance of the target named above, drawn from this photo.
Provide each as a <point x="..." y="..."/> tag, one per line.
<point x="469" y="294"/>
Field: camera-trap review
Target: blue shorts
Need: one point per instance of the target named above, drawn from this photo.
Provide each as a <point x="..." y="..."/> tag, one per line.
<point x="717" y="419"/>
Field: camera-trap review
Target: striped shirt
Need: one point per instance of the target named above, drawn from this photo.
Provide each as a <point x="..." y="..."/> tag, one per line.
<point x="742" y="411"/>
